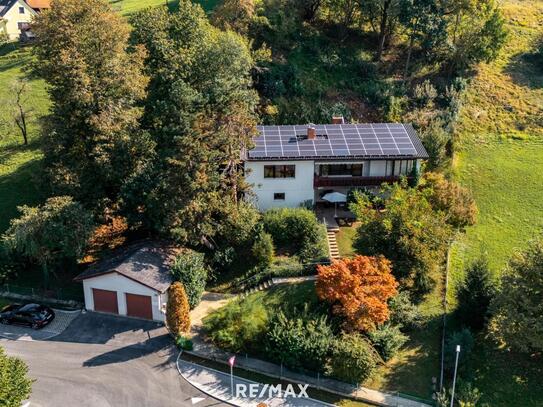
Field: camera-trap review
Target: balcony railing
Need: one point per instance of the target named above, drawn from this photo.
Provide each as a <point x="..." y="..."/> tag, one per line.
<point x="352" y="181"/>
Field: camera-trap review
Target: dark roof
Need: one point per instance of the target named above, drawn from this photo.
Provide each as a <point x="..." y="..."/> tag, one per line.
<point x="337" y="141"/>
<point x="5" y="5"/>
<point x="145" y="262"/>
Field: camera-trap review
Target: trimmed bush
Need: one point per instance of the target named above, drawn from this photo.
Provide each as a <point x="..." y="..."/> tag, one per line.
<point x="352" y="360"/>
<point x="238" y="326"/>
<point x="189" y="268"/>
<point x="263" y="250"/>
<point x="387" y="340"/>
<point x="299" y="343"/>
<point x="183" y="342"/>
<point x="15" y="386"/>
<point x="177" y="310"/>
<point x="296" y="230"/>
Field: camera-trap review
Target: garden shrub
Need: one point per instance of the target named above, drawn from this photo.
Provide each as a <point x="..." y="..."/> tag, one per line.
<point x="352" y="360"/>
<point x="182" y="342"/>
<point x="238" y="326"/>
<point x="387" y="339"/>
<point x="189" y="268"/>
<point x="465" y="339"/>
<point x="298" y="230"/>
<point x="177" y="310"/>
<point x="15" y="386"/>
<point x="403" y="312"/>
<point x="299" y="343"/>
<point x="263" y="250"/>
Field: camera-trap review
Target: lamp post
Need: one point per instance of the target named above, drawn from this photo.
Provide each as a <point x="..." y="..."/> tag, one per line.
<point x="454" y="377"/>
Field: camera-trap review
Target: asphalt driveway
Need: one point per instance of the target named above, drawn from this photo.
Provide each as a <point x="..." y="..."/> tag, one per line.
<point x="102" y="360"/>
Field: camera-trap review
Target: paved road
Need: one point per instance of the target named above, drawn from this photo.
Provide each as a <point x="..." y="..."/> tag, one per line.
<point x="106" y="361"/>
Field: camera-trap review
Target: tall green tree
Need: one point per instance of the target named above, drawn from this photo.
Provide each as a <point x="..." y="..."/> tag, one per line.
<point x="92" y="141"/>
<point x="383" y="17"/>
<point x="518" y="309"/>
<point x="15" y="386"/>
<point x="58" y="230"/>
<point x="477" y="33"/>
<point x="200" y="112"/>
<point x="474" y="295"/>
<point x="426" y="26"/>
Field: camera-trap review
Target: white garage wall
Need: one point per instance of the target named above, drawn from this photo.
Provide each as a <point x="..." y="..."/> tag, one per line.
<point x="121" y="284"/>
<point x="297" y="190"/>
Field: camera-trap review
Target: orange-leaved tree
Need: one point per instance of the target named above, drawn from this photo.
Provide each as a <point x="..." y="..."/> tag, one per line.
<point x="358" y="289"/>
<point x="177" y="309"/>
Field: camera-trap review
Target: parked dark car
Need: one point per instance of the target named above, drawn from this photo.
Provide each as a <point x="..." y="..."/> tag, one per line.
<point x="35" y="316"/>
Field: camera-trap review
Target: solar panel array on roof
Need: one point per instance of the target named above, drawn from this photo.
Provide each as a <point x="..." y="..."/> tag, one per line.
<point x="375" y="140"/>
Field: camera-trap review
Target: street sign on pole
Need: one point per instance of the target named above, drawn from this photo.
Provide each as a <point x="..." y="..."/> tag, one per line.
<point x="231" y="362"/>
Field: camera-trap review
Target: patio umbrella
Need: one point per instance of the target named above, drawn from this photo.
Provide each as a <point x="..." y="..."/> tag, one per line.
<point x="335" y="197"/>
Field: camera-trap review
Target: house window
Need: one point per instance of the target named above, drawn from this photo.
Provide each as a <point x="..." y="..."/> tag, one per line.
<point x="354" y="170"/>
<point x="279" y="196"/>
<point x="22" y="26"/>
<point x="279" y="171"/>
<point x="21" y="10"/>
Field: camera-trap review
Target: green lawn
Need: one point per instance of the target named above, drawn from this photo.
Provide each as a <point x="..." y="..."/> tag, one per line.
<point x="506" y="179"/>
<point x="19" y="164"/>
<point x="344" y="240"/>
<point x="501" y="161"/>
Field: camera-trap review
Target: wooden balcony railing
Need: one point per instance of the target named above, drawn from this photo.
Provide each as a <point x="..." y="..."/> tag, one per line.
<point x="352" y="181"/>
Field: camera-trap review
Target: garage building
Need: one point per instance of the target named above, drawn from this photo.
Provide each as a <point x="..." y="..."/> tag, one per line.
<point x="133" y="282"/>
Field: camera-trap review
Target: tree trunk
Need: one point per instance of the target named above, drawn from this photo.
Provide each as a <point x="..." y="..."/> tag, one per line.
<point x="382" y="29"/>
<point x="411" y="41"/>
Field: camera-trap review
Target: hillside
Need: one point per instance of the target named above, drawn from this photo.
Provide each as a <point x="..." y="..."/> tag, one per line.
<point x="501" y="144"/>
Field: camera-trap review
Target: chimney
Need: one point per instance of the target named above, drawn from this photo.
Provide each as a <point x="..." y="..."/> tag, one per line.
<point x="311" y="132"/>
<point x="338" y="120"/>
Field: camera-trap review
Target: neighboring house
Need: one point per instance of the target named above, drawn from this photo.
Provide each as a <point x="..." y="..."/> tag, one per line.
<point x="294" y="165"/>
<point x="16" y="15"/>
<point x="133" y="282"/>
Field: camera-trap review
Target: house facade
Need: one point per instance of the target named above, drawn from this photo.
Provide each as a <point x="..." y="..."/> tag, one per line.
<point x="294" y="165"/>
<point x="16" y="16"/>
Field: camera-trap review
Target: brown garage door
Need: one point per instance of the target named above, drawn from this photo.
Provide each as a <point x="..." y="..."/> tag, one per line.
<point x="139" y="306"/>
<point x="105" y="301"/>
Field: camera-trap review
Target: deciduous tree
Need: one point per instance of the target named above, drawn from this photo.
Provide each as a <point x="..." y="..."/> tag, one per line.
<point x="455" y="201"/>
<point x="518" y="309"/>
<point x="57" y="230"/>
<point x="92" y="142"/>
<point x="409" y="233"/>
<point x="358" y="289"/>
<point x="199" y="110"/>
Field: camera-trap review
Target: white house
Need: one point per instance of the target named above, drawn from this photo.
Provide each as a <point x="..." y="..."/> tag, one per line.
<point x="294" y="165"/>
<point x="16" y="15"/>
<point x="133" y="282"/>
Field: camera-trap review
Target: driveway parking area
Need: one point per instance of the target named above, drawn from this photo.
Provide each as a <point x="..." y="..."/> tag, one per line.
<point x="21" y="333"/>
<point x="113" y="330"/>
<point x="104" y="361"/>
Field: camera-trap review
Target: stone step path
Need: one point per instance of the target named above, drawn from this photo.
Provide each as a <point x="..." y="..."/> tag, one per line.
<point x="332" y="245"/>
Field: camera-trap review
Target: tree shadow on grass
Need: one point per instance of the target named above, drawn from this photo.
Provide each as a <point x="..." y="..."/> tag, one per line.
<point x="413" y="369"/>
<point x="524" y="70"/>
<point x="19" y="187"/>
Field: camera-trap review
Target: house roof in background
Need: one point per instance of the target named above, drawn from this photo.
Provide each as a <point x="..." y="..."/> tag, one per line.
<point x="337" y="141"/>
<point x="39" y="4"/>
<point x="5" y="6"/>
<point x="146" y="262"/>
